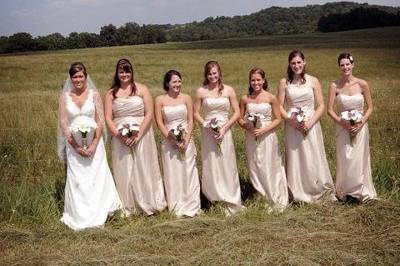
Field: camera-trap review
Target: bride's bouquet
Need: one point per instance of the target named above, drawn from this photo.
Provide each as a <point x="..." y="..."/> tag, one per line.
<point x="353" y="117"/>
<point x="83" y="125"/>
<point x="178" y="133"/>
<point x="255" y="118"/>
<point x="301" y="116"/>
<point x="214" y="125"/>
<point x="128" y="130"/>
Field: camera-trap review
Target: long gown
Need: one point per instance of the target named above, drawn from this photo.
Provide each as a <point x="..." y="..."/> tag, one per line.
<point x="307" y="170"/>
<point x="267" y="173"/>
<point x="353" y="166"/>
<point x="181" y="177"/>
<point x="220" y="178"/>
<point x="90" y="193"/>
<point x="136" y="170"/>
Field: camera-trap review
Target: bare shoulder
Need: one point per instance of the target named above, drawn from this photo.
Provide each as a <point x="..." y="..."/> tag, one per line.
<point x="229" y="90"/>
<point x="141" y="88"/>
<point x="200" y="92"/>
<point x="159" y="99"/>
<point x="186" y="97"/>
<point x="362" y="82"/>
<point x="312" y="79"/>
<point x="244" y="98"/>
<point x="334" y="85"/>
<point x="270" y="97"/>
<point x="282" y="82"/>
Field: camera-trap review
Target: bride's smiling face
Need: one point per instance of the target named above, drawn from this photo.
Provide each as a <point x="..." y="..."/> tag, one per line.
<point x="79" y="80"/>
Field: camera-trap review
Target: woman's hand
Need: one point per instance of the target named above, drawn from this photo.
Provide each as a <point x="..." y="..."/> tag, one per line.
<point x="90" y="150"/>
<point x="356" y="128"/>
<point x="345" y="125"/>
<point x="221" y="133"/>
<point x="259" y="131"/>
<point x="248" y="125"/>
<point x="172" y="140"/>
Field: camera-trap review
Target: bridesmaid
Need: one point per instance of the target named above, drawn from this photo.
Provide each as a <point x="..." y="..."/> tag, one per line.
<point x="259" y="116"/>
<point x="308" y="175"/>
<point x="353" y="167"/>
<point x="220" y="179"/>
<point x="134" y="158"/>
<point x="174" y="110"/>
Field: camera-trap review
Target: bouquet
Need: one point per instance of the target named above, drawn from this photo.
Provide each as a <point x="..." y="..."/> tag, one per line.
<point x="300" y="115"/>
<point x="179" y="133"/>
<point x="213" y="124"/>
<point x="84" y="126"/>
<point x="128" y="130"/>
<point x="353" y="117"/>
<point x="254" y="118"/>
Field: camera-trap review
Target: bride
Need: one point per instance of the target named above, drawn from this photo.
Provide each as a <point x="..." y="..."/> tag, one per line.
<point x="90" y="193"/>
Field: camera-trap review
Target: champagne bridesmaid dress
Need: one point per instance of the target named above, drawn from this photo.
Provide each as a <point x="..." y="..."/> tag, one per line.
<point x="267" y="173"/>
<point x="136" y="170"/>
<point x="181" y="177"/>
<point x="307" y="169"/>
<point x="220" y="179"/>
<point x="353" y="166"/>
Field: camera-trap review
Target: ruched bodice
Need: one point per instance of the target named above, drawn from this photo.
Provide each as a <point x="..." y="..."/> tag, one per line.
<point x="174" y="115"/>
<point x="136" y="170"/>
<point x="87" y="111"/>
<point x="181" y="177"/>
<point x="350" y="102"/>
<point x="263" y="109"/>
<point x="307" y="170"/>
<point x="353" y="166"/>
<point x="128" y="110"/>
<point x="300" y="96"/>
<point x="264" y="161"/>
<point x="216" y="108"/>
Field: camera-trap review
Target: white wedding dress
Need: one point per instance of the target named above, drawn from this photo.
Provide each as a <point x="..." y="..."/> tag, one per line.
<point x="90" y="193"/>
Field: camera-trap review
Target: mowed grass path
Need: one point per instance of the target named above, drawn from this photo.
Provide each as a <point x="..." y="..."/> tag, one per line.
<point x="32" y="179"/>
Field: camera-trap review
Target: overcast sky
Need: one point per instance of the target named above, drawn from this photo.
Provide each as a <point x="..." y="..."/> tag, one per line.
<point x="42" y="17"/>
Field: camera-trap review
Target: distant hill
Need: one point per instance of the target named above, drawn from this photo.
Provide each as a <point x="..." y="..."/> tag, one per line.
<point x="337" y="16"/>
<point x="269" y="21"/>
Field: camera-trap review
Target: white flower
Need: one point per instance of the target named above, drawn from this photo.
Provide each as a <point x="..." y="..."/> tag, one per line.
<point x="134" y="127"/>
<point x="177" y="132"/>
<point x="125" y="131"/>
<point x="351" y="59"/>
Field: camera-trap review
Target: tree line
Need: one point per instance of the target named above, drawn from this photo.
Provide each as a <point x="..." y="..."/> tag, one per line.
<point x="275" y="20"/>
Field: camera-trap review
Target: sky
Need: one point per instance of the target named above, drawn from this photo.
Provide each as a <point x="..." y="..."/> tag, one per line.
<point x="43" y="17"/>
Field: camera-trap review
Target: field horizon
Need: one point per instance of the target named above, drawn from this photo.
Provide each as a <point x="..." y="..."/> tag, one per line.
<point x="32" y="178"/>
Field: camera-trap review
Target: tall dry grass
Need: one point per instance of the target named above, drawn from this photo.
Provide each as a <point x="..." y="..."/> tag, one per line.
<point x="32" y="178"/>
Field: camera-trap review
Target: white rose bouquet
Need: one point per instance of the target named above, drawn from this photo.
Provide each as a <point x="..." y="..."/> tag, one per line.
<point x="255" y="118"/>
<point x="301" y="116"/>
<point x="128" y="130"/>
<point x="353" y="117"/>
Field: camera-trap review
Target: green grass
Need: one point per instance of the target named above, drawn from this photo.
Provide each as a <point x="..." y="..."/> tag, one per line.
<point x="32" y="179"/>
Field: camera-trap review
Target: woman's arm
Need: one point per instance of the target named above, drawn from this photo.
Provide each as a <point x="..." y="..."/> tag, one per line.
<point x="368" y="100"/>
<point x="108" y="114"/>
<point x="242" y="108"/>
<point x="189" y="129"/>
<point x="197" y="106"/>
<point x="319" y="100"/>
<point x="158" y="115"/>
<point x="99" y="118"/>
<point x="281" y="98"/>
<point x="148" y="112"/>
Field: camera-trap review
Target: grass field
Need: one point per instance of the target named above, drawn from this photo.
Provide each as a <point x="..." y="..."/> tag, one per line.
<point x="32" y="179"/>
